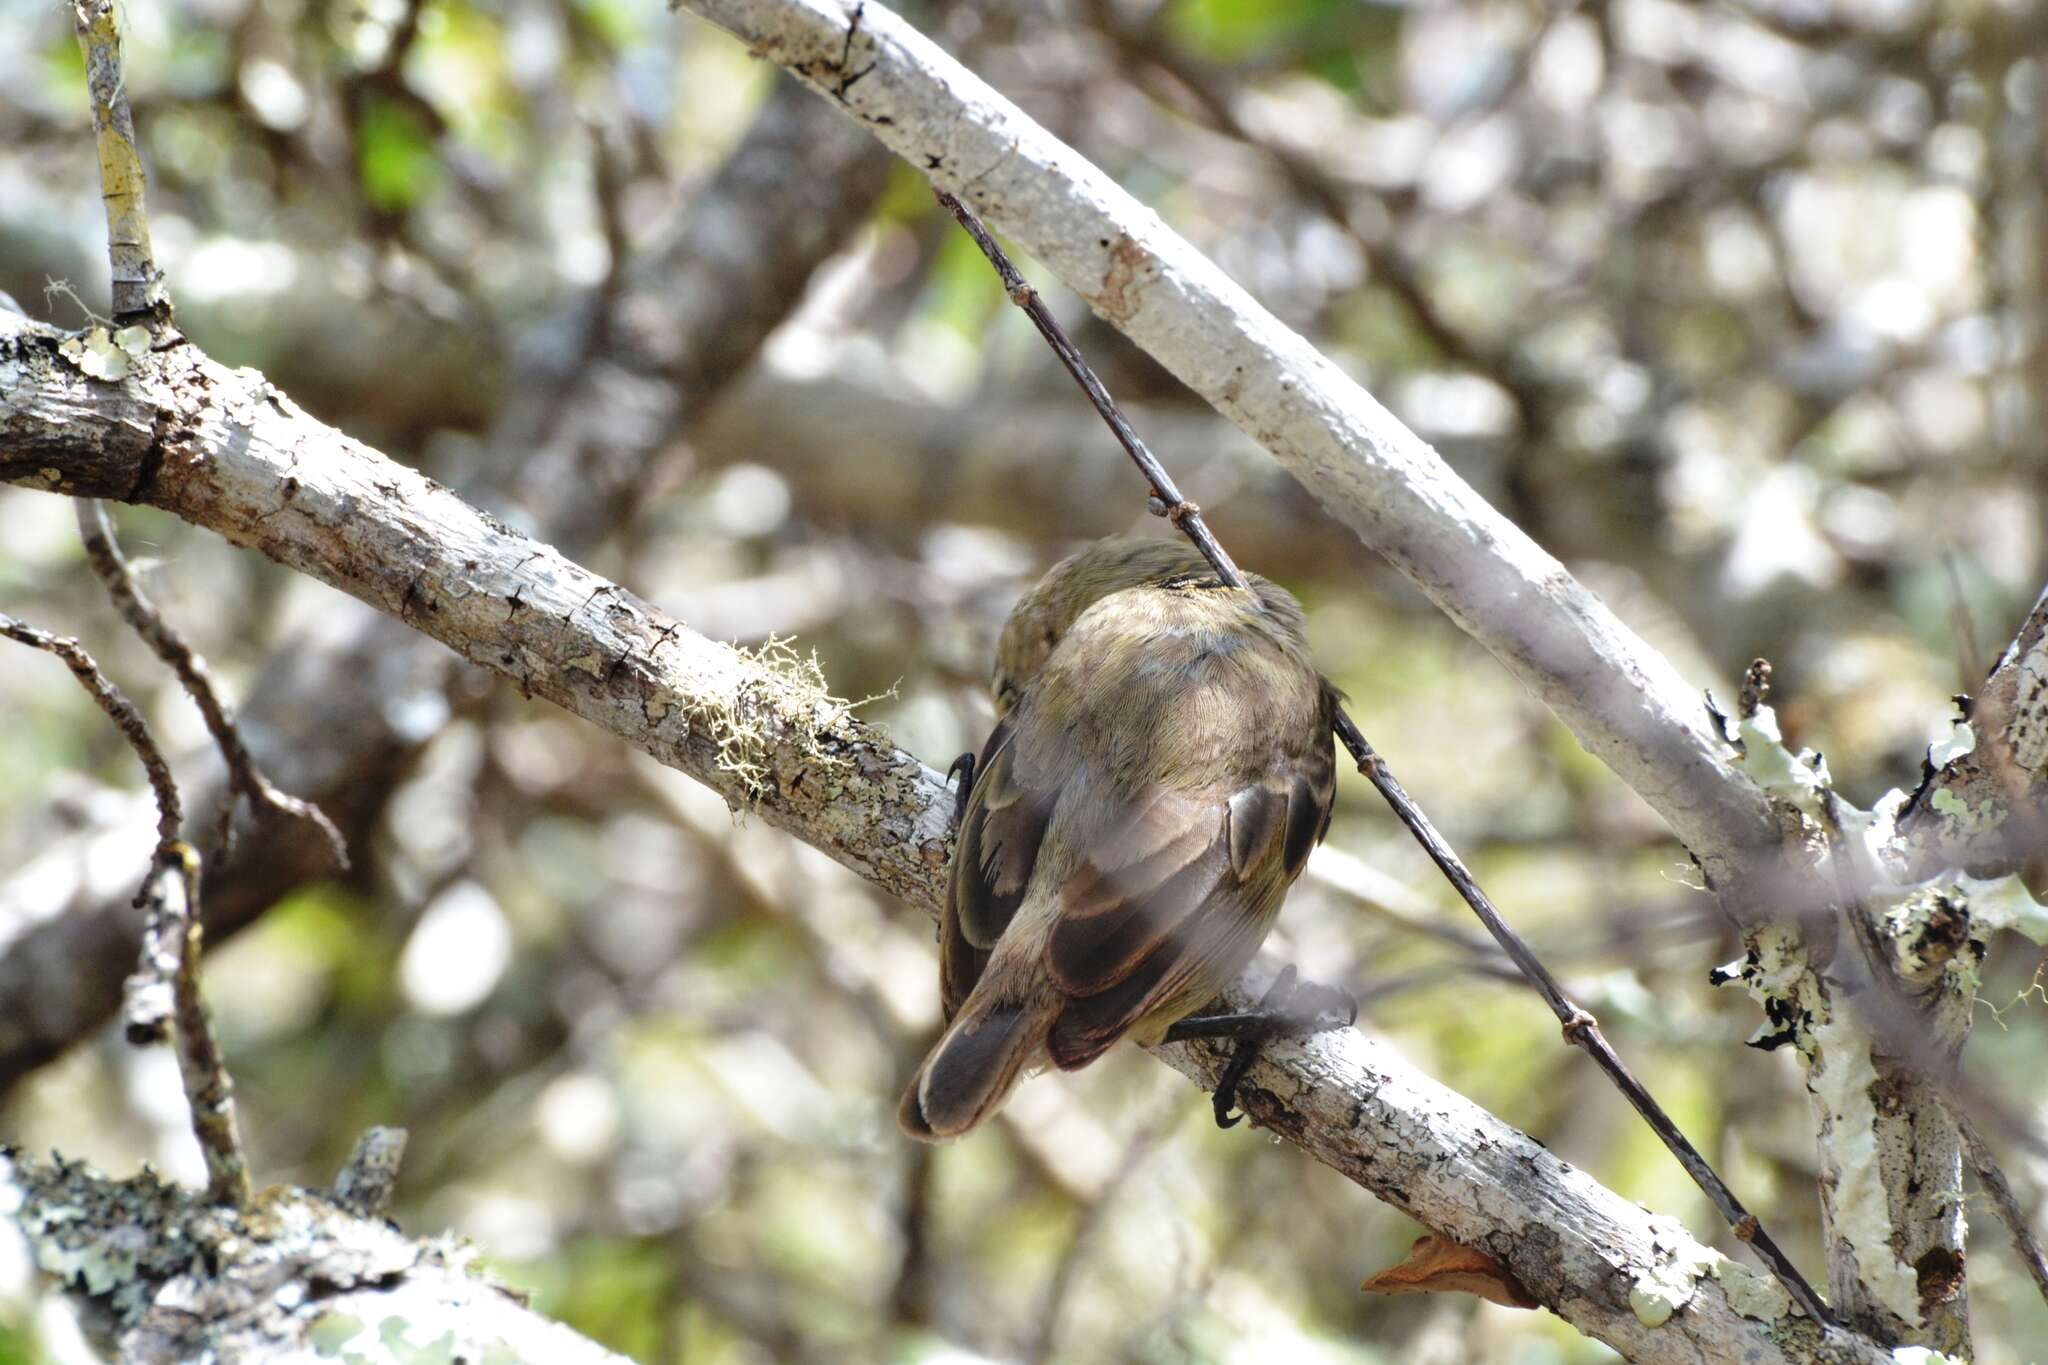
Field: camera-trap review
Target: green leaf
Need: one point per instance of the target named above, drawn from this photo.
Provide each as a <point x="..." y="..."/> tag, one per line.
<point x="395" y="156"/>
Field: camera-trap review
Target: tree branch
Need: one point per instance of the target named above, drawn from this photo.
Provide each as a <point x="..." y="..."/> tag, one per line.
<point x="1985" y="809"/>
<point x="234" y="455"/>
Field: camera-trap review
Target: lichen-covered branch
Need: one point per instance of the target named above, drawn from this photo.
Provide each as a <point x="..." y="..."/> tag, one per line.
<point x="166" y="1277"/>
<point x="1624" y="701"/>
<point x="224" y="450"/>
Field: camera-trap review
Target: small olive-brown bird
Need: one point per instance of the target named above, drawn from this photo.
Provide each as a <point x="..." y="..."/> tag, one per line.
<point x="1160" y="768"/>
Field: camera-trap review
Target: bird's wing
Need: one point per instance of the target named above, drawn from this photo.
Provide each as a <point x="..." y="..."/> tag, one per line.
<point x="1180" y="896"/>
<point x="999" y="838"/>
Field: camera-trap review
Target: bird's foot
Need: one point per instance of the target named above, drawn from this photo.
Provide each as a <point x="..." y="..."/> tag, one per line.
<point x="1289" y="1008"/>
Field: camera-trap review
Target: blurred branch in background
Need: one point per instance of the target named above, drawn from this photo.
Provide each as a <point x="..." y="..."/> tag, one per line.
<point x="163" y="994"/>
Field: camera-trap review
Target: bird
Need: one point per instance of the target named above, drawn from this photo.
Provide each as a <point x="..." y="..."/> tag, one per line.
<point x="1160" y="768"/>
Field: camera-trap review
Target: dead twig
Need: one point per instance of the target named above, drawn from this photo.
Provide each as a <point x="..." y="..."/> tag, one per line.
<point x="163" y="998"/>
<point x="1579" y="1027"/>
<point x="245" y="778"/>
<point x="163" y="994"/>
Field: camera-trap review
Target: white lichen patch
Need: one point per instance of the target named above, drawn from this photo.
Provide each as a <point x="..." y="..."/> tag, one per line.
<point x="1961" y="741"/>
<point x="1841" y="1078"/>
<point x="1672" y="1278"/>
<point x="1797" y="780"/>
<point x="397" y="1340"/>
<point x="1924" y="1355"/>
<point x="1778" y="977"/>
<point x="1750" y="1292"/>
<point x="99" y="355"/>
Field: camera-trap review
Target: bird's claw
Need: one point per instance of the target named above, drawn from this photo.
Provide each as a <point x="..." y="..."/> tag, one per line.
<point x="1290" y="1006"/>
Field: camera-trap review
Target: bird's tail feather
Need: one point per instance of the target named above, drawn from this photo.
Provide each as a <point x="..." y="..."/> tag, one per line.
<point x="971" y="1070"/>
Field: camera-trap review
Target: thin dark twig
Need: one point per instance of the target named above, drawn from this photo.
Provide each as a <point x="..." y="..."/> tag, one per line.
<point x="1992" y="1177"/>
<point x="1580" y="1027"/>
<point x="245" y="778"/>
<point x="165" y="987"/>
<point x="170" y="810"/>
<point x="164" y="991"/>
<point x="1166" y="499"/>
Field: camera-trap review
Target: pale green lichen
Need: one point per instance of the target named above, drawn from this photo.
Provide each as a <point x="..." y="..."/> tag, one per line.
<point x="776" y="686"/>
<point x="1751" y="1293"/>
<point x="1923" y="1355"/>
<point x="1777" y="976"/>
<point x="1841" y="1079"/>
<point x="589" y="663"/>
<point x="333" y="1332"/>
<point x="395" y="1334"/>
<point x="1672" y="1278"/>
<point x="99" y="355"/>
<point x="1982" y="818"/>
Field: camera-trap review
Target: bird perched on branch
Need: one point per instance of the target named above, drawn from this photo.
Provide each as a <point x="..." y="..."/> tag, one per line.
<point x="1160" y="768"/>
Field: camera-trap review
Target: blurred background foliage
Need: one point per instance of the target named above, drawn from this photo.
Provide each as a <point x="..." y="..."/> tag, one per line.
<point x="1736" y="307"/>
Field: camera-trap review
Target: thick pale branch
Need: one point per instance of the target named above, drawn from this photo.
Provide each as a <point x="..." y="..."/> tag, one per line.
<point x="1623" y="700"/>
<point x="224" y="450"/>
